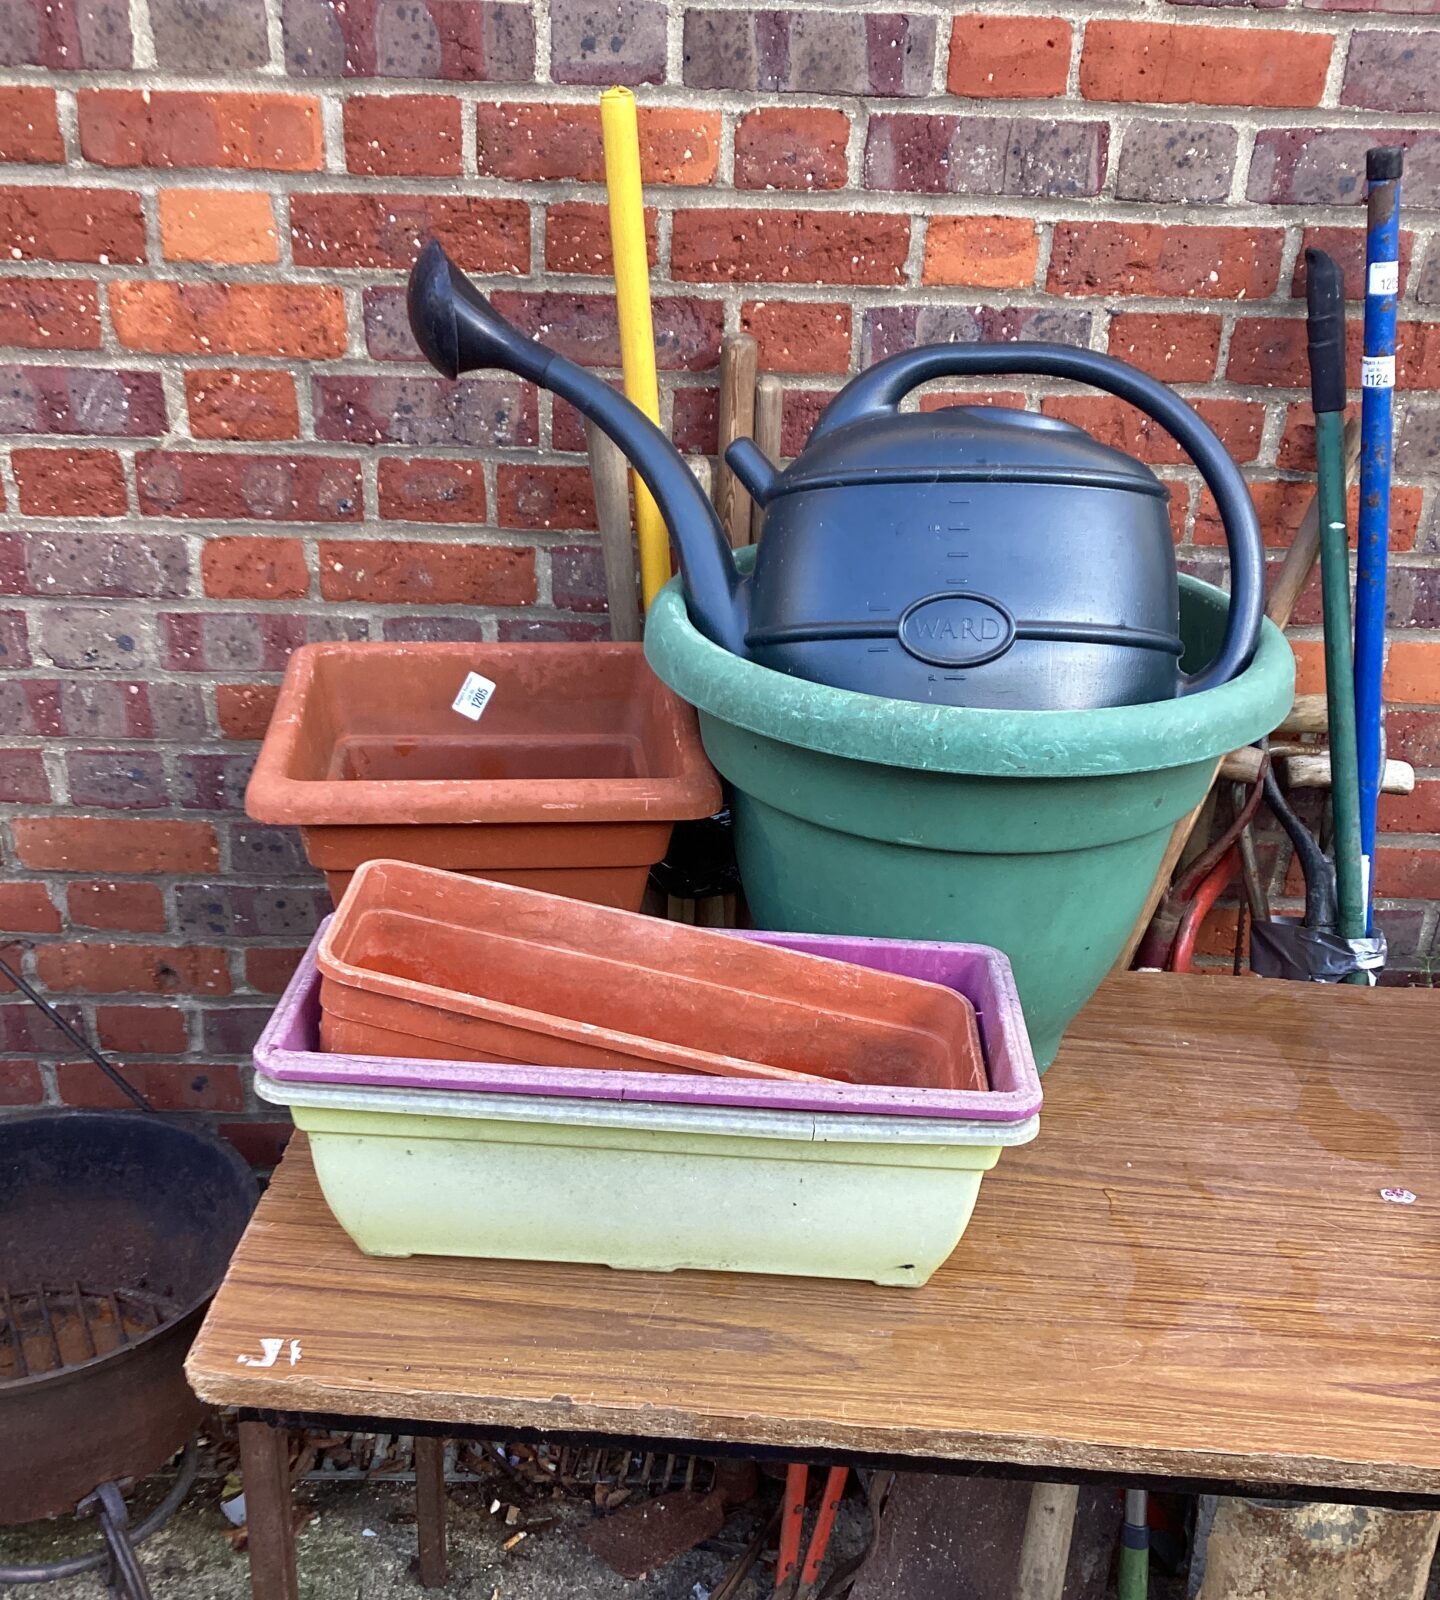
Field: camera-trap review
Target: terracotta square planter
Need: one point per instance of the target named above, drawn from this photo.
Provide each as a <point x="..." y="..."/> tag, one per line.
<point x="570" y="781"/>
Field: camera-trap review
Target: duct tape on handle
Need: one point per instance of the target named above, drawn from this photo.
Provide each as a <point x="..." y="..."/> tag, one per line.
<point x="1369" y="953"/>
<point x="1377" y="372"/>
<point x="1286" y="948"/>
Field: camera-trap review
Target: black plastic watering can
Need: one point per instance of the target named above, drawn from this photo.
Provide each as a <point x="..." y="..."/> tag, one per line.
<point x="973" y="556"/>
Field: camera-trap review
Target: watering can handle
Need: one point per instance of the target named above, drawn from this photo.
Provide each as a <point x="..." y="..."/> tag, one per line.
<point x="883" y="386"/>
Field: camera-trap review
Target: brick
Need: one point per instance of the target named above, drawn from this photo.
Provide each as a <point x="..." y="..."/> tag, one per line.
<point x="246" y="641"/>
<point x="27" y="908"/>
<point x="67" y="35"/>
<point x="88" y="400"/>
<point x="1414" y="736"/>
<point x="21" y="1084"/>
<point x="173" y="128"/>
<point x="265" y="488"/>
<point x="577" y="238"/>
<point x="253" y="568"/>
<point x="117" y="780"/>
<point x="688" y="330"/>
<point x="799" y="336"/>
<point x="233" y="1030"/>
<point x="210" y="781"/>
<point x="1392" y="71"/>
<point x="432" y="628"/>
<point x="1419" y="8"/>
<point x="532" y="142"/>
<point x="1028" y="156"/>
<point x="1161" y="259"/>
<point x="419" y="490"/>
<point x="14" y="642"/>
<point x="1412" y="673"/>
<point x="1417" y="438"/>
<point x="402" y="135"/>
<point x="1428" y="289"/>
<point x="269" y="853"/>
<point x="810" y="52"/>
<point x="533" y="630"/>
<point x="114" y="709"/>
<point x="1347" y="247"/>
<point x="268" y="970"/>
<point x="68" y="224"/>
<point x="261" y="1144"/>
<point x="110" y="844"/>
<point x="116" y="907"/>
<point x="243" y="710"/>
<point x="607" y="41"/>
<point x="225" y="225"/>
<point x="577" y="578"/>
<point x="1404" y="873"/>
<point x="1239" y="424"/>
<point x="1177" y="163"/>
<point x="25" y="1028"/>
<point x="1013" y="58"/>
<point x="216" y="36"/>
<point x="785" y="148"/>
<point x="424" y="411"/>
<point x="1326" y="166"/>
<point x="734" y="246"/>
<point x="1168" y="63"/>
<point x="73" y="483"/>
<point x="31" y="706"/>
<point x="232" y="403"/>
<point x="387" y="230"/>
<point x="476" y="40"/>
<point x="29" y="127"/>
<point x="49" y="314"/>
<point x="543" y="498"/>
<point x="141" y="1030"/>
<point x="218" y="910"/>
<point x="179" y="1086"/>
<point x="892" y="328"/>
<point x="23" y="779"/>
<point x="1272" y="350"/>
<point x="303" y="321"/>
<point x="106" y="638"/>
<point x="1178" y="347"/>
<point x="387" y="572"/>
<point x="981" y="252"/>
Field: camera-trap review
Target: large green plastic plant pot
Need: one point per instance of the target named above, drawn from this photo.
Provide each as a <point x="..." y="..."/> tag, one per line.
<point x="1038" y="832"/>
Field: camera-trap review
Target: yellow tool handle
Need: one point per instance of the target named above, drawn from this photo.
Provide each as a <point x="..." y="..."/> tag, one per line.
<point x="621" y="136"/>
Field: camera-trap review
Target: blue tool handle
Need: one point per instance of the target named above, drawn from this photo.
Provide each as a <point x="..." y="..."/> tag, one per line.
<point x="1377" y="425"/>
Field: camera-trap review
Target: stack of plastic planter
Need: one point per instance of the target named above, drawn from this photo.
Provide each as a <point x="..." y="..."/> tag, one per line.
<point x="866" y="1088"/>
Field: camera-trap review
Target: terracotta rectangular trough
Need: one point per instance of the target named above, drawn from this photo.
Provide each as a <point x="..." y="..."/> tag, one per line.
<point x="570" y="781"/>
<point x="425" y="963"/>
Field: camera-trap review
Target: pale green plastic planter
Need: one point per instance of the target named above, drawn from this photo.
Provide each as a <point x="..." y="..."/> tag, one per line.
<point x="539" y="1179"/>
<point x="1038" y="832"/>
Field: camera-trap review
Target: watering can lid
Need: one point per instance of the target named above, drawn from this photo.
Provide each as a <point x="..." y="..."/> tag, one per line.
<point x="965" y="443"/>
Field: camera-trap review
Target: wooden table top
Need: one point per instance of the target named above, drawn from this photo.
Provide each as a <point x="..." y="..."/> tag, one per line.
<point x="1192" y="1272"/>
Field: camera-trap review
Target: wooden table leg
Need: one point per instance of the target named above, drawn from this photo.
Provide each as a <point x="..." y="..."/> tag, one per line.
<point x="1045" y="1551"/>
<point x="269" y="1523"/>
<point x="430" y="1509"/>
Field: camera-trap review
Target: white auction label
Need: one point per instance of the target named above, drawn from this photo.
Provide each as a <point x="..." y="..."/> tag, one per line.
<point x="1384" y="277"/>
<point x="475" y="694"/>
<point x="1377" y="372"/>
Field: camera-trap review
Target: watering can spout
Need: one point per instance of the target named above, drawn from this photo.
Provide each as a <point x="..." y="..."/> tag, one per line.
<point x="459" y="330"/>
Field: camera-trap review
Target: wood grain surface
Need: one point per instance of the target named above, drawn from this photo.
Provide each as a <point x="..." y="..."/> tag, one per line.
<point x="1191" y="1272"/>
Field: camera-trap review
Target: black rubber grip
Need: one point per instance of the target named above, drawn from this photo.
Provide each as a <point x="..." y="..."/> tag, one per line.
<point x="1325" y="327"/>
<point x="1384" y="163"/>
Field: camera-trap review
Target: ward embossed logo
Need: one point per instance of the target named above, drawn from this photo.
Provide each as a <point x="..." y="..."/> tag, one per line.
<point x="957" y="630"/>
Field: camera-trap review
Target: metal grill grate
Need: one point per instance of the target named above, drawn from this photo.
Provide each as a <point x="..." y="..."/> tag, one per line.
<point x="46" y="1329"/>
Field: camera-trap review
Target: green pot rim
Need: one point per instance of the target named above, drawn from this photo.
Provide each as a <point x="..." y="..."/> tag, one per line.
<point x="999" y="744"/>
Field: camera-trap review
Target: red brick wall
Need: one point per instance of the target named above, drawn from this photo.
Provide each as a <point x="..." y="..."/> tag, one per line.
<point x="215" y="441"/>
